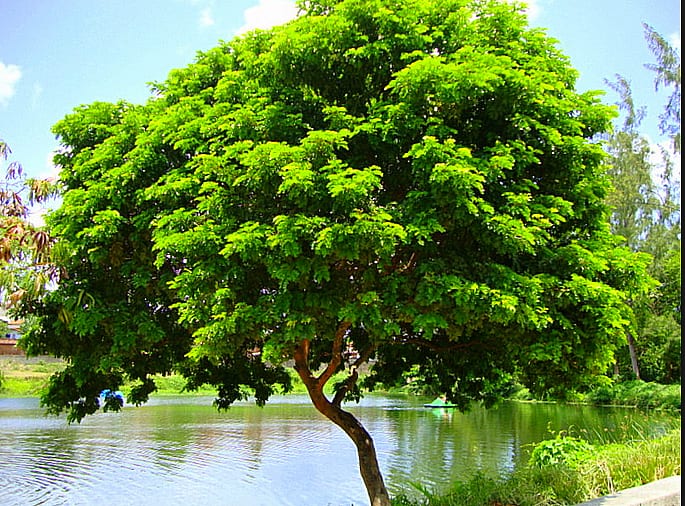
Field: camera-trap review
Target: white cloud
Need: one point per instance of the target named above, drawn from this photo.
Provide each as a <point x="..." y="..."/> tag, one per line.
<point x="533" y="9"/>
<point x="206" y="18"/>
<point x="674" y="40"/>
<point x="9" y="76"/>
<point x="268" y="13"/>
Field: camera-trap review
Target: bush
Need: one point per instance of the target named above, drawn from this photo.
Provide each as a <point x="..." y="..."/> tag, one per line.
<point x="521" y="393"/>
<point x="638" y="393"/>
<point x="478" y="491"/>
<point x="562" y="450"/>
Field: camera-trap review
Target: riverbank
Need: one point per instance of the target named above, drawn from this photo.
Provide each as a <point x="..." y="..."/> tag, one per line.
<point x="588" y="473"/>
<point x="22" y="377"/>
<point x="26" y="377"/>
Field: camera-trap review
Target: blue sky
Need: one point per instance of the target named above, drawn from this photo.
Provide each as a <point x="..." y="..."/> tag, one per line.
<point x="58" y="54"/>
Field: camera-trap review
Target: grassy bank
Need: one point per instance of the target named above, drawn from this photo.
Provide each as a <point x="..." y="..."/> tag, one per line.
<point x="21" y="377"/>
<point x="566" y="471"/>
<point x="636" y="394"/>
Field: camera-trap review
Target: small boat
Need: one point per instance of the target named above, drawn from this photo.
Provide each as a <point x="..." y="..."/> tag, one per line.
<point x="440" y="402"/>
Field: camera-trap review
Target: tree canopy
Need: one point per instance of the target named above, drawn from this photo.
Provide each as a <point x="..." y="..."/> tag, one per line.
<point x="415" y="181"/>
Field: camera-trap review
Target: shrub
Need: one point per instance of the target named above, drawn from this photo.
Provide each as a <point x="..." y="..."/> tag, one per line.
<point x="562" y="450"/>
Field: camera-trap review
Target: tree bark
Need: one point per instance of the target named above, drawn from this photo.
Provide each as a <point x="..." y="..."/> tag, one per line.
<point x="633" y="356"/>
<point x="366" y="451"/>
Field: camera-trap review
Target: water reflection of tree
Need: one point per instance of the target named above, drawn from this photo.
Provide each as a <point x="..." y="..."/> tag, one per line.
<point x="199" y="437"/>
<point x="258" y="451"/>
<point x="436" y="448"/>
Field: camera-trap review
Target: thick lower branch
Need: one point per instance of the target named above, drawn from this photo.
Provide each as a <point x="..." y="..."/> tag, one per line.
<point x="346" y="387"/>
<point x="336" y="353"/>
<point x="351" y="380"/>
<point x="368" y="462"/>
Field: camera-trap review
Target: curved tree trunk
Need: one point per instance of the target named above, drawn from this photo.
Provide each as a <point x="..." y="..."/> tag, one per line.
<point x="366" y="451"/>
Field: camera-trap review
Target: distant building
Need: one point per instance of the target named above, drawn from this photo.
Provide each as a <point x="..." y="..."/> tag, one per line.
<point x="11" y="327"/>
<point x="13" y="330"/>
<point x="10" y="334"/>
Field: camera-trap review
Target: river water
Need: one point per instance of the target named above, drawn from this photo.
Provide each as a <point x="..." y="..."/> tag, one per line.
<point x="181" y="451"/>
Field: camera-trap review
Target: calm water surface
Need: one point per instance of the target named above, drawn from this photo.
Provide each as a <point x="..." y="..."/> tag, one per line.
<point x="181" y="451"/>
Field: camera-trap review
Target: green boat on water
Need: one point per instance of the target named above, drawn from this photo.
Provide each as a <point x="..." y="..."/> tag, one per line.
<point x="440" y="403"/>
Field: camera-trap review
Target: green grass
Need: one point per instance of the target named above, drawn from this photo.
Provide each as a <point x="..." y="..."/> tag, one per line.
<point x="174" y="384"/>
<point x="20" y="377"/>
<point x="22" y="387"/>
<point x="617" y="467"/>
<point x="605" y="470"/>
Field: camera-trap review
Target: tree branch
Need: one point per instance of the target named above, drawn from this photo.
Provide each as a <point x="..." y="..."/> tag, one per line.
<point x="301" y="357"/>
<point x="354" y="376"/>
<point x="346" y="387"/>
<point x="336" y="353"/>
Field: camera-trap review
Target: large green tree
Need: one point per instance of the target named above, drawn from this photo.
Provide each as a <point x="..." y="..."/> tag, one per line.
<point x="415" y="181"/>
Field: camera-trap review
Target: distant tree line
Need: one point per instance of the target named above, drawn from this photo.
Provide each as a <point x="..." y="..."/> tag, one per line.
<point x="645" y="204"/>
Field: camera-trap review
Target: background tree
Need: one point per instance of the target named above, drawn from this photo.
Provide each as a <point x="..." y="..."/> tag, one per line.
<point x="665" y="236"/>
<point x="414" y="180"/>
<point x="25" y="247"/>
<point x="645" y="203"/>
<point x="667" y="70"/>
